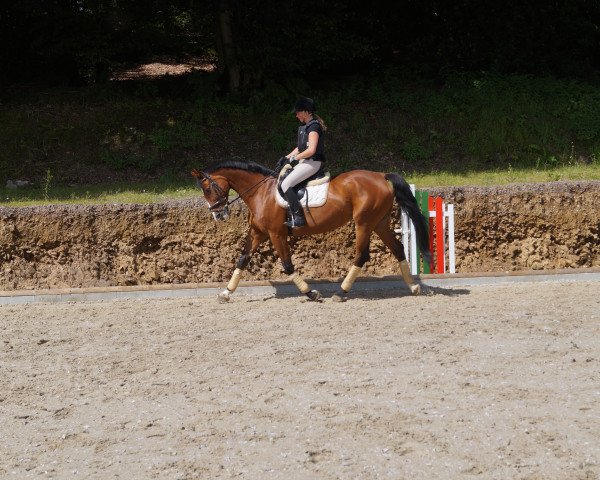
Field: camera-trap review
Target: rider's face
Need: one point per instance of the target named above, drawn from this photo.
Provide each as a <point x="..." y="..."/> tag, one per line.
<point x="303" y="117"/>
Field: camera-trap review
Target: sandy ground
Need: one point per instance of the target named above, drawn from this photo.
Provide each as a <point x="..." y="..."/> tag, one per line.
<point x="490" y="382"/>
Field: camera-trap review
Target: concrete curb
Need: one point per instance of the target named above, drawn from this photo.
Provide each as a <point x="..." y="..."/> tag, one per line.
<point x="284" y="288"/>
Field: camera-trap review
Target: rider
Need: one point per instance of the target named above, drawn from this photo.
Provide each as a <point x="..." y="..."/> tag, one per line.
<point x="306" y="159"/>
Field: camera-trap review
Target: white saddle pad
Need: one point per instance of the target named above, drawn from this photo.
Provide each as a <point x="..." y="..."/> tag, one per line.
<point x="316" y="193"/>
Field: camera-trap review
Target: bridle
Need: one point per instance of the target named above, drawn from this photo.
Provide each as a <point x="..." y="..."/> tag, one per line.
<point x="222" y="196"/>
<point x="223" y="200"/>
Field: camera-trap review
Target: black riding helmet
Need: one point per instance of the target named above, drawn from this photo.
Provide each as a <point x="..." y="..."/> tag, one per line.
<point x="305" y="104"/>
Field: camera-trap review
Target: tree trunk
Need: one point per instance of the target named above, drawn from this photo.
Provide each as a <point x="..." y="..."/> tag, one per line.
<point x="228" y="64"/>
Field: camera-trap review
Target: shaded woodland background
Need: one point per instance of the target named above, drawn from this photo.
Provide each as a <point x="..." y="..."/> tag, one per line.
<point x="414" y="86"/>
<point x="253" y="41"/>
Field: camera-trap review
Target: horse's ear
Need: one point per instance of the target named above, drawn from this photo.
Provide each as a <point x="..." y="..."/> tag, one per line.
<point x="199" y="176"/>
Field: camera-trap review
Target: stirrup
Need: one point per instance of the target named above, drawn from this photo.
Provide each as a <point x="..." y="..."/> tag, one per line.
<point x="295" y="221"/>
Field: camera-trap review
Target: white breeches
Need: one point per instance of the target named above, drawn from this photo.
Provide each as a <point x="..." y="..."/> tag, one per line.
<point x="302" y="171"/>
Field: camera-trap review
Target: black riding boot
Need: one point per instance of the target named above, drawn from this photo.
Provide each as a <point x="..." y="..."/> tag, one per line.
<point x="296" y="211"/>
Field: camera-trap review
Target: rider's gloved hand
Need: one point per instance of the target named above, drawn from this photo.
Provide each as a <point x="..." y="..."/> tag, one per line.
<point x="293" y="161"/>
<point x="280" y="163"/>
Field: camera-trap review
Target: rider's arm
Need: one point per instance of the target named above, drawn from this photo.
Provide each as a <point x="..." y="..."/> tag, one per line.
<point x="292" y="153"/>
<point x="311" y="148"/>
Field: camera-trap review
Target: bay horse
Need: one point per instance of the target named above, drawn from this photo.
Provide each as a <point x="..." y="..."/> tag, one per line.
<point x="363" y="196"/>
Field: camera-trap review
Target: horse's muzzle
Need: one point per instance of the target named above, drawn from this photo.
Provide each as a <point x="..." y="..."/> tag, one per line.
<point x="221" y="214"/>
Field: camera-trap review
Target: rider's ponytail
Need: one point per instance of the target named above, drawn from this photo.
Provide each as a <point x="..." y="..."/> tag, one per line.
<point x="321" y="122"/>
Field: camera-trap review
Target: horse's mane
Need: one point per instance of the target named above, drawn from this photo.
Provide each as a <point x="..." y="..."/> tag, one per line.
<point x="241" y="165"/>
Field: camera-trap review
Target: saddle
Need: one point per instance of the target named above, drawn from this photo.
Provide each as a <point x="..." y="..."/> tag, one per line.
<point x="311" y="192"/>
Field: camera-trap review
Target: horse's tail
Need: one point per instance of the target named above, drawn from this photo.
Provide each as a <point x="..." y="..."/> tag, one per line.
<point x="407" y="201"/>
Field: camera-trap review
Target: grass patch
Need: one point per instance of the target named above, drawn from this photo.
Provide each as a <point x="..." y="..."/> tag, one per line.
<point x="149" y="192"/>
<point x="504" y="177"/>
<point x="119" y="193"/>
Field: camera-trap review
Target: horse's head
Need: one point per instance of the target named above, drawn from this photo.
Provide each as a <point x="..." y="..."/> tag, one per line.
<point x="215" y="190"/>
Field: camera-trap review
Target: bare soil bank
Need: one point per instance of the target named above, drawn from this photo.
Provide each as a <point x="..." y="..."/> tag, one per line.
<point x="513" y="227"/>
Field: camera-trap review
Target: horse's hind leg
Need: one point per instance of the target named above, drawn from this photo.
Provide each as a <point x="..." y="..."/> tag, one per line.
<point x="253" y="239"/>
<point x="388" y="237"/>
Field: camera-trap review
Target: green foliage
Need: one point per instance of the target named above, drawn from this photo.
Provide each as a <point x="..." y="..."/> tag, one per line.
<point x="121" y="161"/>
<point x="388" y="121"/>
<point x="177" y="134"/>
<point x="583" y="113"/>
<point x="414" y="151"/>
<point x="595" y="153"/>
<point x="47" y="184"/>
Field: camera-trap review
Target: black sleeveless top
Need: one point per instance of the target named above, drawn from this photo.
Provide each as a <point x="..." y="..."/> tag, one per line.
<point x="303" y="131"/>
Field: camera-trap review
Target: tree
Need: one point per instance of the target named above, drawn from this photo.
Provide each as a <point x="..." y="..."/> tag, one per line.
<point x="80" y="41"/>
<point x="228" y="65"/>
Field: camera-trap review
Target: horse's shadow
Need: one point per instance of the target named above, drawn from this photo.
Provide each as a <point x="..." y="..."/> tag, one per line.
<point x="447" y="292"/>
<point x="369" y="292"/>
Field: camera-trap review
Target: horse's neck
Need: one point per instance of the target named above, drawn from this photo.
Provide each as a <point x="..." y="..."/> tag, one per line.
<point x="247" y="184"/>
<point x="242" y="180"/>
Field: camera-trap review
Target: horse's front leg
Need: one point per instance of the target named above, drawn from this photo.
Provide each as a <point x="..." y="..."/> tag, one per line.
<point x="253" y="239"/>
<point x="363" y="237"/>
<point x="283" y="250"/>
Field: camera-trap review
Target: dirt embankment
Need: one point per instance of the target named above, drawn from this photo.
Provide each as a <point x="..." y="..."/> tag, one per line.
<point x="514" y="227"/>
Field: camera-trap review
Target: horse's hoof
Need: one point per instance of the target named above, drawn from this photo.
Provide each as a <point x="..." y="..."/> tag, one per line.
<point x="314" y="295"/>
<point x="339" y="297"/>
<point x="415" y="289"/>
<point x="223" y="297"/>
